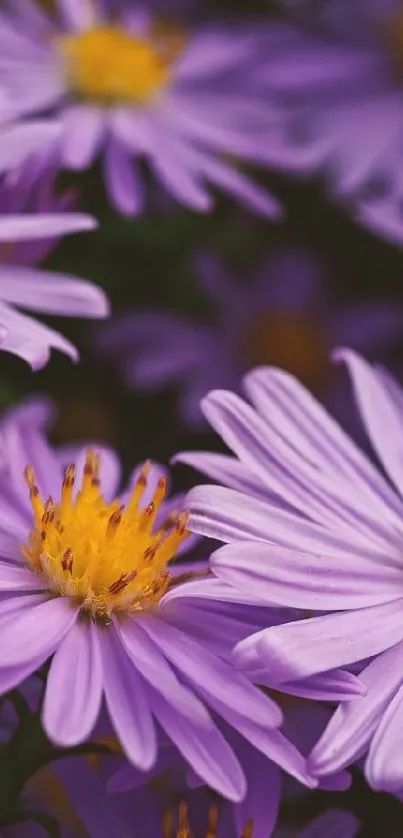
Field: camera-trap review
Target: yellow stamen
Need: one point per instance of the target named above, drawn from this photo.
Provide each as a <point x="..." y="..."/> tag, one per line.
<point x="184" y="830"/>
<point x="108" y="65"/>
<point x="104" y="556"/>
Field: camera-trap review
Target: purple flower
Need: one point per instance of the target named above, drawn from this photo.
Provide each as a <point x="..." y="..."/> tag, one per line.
<point x="284" y="316"/>
<point x="31" y="216"/>
<point x="317" y="527"/>
<point x="304" y="721"/>
<point x="91" y="586"/>
<point x="74" y="794"/>
<point x="340" y="90"/>
<point x="130" y="88"/>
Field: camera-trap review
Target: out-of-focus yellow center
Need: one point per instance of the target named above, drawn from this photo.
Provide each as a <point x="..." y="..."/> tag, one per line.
<point x="184" y="831"/>
<point x="108" y="558"/>
<point x="391" y="27"/>
<point x="109" y="66"/>
<point x="290" y="342"/>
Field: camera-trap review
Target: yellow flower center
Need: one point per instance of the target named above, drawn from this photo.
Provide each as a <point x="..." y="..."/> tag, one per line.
<point x="184" y="830"/>
<point x="108" y="558"/>
<point x="109" y="66"/>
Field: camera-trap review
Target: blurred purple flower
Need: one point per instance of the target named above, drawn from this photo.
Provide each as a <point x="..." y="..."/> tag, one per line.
<point x="89" y="809"/>
<point x="284" y="316"/>
<point x="134" y="88"/>
<point x="304" y="721"/>
<point x="32" y="220"/>
<point x="338" y="81"/>
<point x="91" y="587"/>
<point x="322" y="532"/>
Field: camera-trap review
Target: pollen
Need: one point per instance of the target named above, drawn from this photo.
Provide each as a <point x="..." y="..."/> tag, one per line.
<point x="106" y="556"/>
<point x="109" y="66"/>
<point x="184" y="830"/>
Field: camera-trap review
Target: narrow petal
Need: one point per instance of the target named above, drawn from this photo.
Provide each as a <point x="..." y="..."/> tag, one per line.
<point x="352" y="726"/>
<point x="74" y="687"/>
<point x="78" y="15"/>
<point x="384" y="765"/>
<point x="370" y="391"/>
<point x="29" y="228"/>
<point x="229" y="516"/>
<point x="13" y="676"/>
<point x="259" y="805"/>
<point x="154" y="668"/>
<point x="122" y="179"/>
<point x="262" y="446"/>
<point x="127" y="702"/>
<point x="225" y="470"/>
<point x="52" y="293"/>
<point x="304" y="648"/>
<point x="205" y="749"/>
<point x="297" y="580"/>
<point x="19" y="580"/>
<point x="19" y="141"/>
<point x="36" y="632"/>
<point x="206" y="670"/>
<point x="82" y="136"/>
<point x="274" y="745"/>
<point x="319" y="440"/>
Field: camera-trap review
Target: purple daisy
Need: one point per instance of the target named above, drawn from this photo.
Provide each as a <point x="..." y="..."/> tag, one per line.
<point x="74" y="794"/>
<point x="284" y="317"/>
<point x="32" y="218"/>
<point x="339" y="86"/>
<point x="317" y="527"/>
<point x="130" y="87"/>
<point x="90" y="586"/>
<point x="304" y="721"/>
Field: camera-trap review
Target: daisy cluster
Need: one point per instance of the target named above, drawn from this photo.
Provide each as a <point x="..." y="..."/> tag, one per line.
<point x="215" y="652"/>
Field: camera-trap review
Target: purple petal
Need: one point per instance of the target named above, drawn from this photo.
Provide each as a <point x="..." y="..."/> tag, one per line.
<point x="154" y="668"/>
<point x="384" y="765"/>
<point x="304" y="580"/>
<point x="262" y="800"/>
<point x="36" y="632"/>
<point x="319" y="440"/>
<point x="353" y="724"/>
<point x="225" y="470"/>
<point x="52" y="293"/>
<point x="306" y="647"/>
<point x="370" y="391"/>
<point x="122" y="179"/>
<point x="74" y="687"/>
<point x="206" y="670"/>
<point x="229" y="516"/>
<point x="29" y="339"/>
<point x="205" y="749"/>
<point x="78" y="15"/>
<point x="19" y="141"/>
<point x="19" y="579"/>
<point x="82" y="136"/>
<point x="128" y="703"/>
<point x="29" y="228"/>
<point x="273" y="456"/>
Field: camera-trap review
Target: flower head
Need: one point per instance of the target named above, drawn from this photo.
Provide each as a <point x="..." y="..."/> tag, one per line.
<point x="86" y="581"/>
<point x="340" y="89"/>
<point x="107" y="557"/>
<point x="284" y="316"/>
<point x="317" y="527"/>
<point x="32" y="218"/>
<point x="132" y="86"/>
